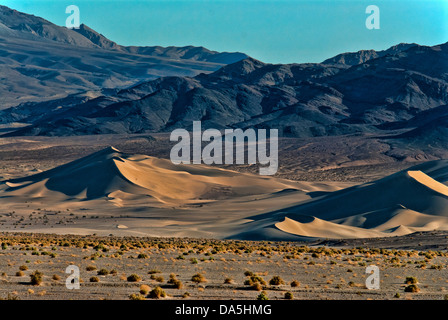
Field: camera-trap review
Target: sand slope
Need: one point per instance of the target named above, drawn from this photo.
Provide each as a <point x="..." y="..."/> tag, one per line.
<point x="402" y="203"/>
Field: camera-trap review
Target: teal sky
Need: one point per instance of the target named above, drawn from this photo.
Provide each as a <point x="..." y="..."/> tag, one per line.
<point x="275" y="31"/>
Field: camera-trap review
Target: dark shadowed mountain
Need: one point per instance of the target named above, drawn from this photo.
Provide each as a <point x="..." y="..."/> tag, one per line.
<point x="40" y="61"/>
<point x="301" y="100"/>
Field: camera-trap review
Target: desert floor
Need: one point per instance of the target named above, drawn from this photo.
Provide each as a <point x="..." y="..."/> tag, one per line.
<point x="323" y="270"/>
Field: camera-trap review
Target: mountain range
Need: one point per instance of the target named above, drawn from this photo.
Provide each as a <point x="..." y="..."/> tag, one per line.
<point x="40" y="61"/>
<point x="398" y="93"/>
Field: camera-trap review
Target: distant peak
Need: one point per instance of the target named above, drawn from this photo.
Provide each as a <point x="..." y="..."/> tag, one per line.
<point x="242" y="67"/>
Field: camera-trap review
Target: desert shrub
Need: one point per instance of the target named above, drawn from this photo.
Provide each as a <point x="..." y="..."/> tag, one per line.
<point x="153" y="271"/>
<point x="262" y="296"/>
<point x="412" y="288"/>
<point x="94" y="279"/>
<point x="56" y="277"/>
<point x="157" y="278"/>
<point x="136" y="296"/>
<point x="198" y="278"/>
<point x="255" y="279"/>
<point x="257" y="286"/>
<point x="289" y="295"/>
<point x="144" y="289"/>
<point x="295" y="283"/>
<point x="19" y="274"/>
<point x="411" y="280"/>
<point x="36" y="278"/>
<point x="142" y="256"/>
<point x="248" y="273"/>
<point x="185" y="295"/>
<point x="172" y="278"/>
<point x="397" y="295"/>
<point x="228" y="280"/>
<point x="103" y="272"/>
<point x="133" y="278"/>
<point x="157" y="293"/>
<point x="276" y="281"/>
<point x="90" y="268"/>
<point x="113" y="272"/>
<point x="178" y="284"/>
<point x="194" y="260"/>
<point x="23" y="268"/>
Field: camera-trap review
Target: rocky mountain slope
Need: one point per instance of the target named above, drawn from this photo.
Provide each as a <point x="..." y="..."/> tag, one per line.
<point x="41" y="61"/>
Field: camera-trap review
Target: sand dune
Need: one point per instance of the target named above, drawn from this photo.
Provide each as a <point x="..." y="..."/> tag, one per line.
<point x="143" y="195"/>
<point x="400" y="204"/>
<point x="317" y="228"/>
<point x="123" y="178"/>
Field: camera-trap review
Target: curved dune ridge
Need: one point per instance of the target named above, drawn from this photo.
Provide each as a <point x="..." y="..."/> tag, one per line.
<point x="403" y="203"/>
<point x="123" y="177"/>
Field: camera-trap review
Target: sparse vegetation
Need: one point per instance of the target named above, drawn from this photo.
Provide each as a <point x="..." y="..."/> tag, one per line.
<point x="157" y="293"/>
<point x="144" y="289"/>
<point x="412" y="288"/>
<point x="262" y="296"/>
<point x="198" y="278"/>
<point x="133" y="278"/>
<point x="103" y="272"/>
<point x="276" y="281"/>
<point x="411" y="280"/>
<point x="36" y="278"/>
<point x="136" y="296"/>
<point x="295" y="284"/>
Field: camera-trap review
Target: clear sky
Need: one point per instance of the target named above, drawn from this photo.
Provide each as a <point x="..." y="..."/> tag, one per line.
<point x="275" y="31"/>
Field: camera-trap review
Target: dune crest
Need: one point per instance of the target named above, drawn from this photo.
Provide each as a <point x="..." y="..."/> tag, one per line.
<point x="429" y="182"/>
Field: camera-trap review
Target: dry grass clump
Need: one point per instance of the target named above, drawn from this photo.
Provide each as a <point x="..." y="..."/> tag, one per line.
<point x="411" y="280"/>
<point x="136" y="296"/>
<point x="133" y="278"/>
<point x="144" y="289"/>
<point x="276" y="281"/>
<point x="412" y="288"/>
<point x="103" y="272"/>
<point x="228" y="280"/>
<point x="157" y="293"/>
<point x="198" y="278"/>
<point x="295" y="284"/>
<point x="175" y="282"/>
<point x="36" y="278"/>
